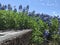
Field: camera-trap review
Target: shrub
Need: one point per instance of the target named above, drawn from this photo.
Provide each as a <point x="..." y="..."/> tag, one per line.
<point x="21" y="20"/>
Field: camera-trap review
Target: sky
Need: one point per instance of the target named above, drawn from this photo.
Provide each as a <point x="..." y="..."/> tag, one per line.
<point x="51" y="7"/>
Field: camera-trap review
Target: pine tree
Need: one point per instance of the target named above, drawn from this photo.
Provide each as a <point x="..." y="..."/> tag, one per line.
<point x="27" y="8"/>
<point x="20" y="7"/>
<point x="3" y="7"/>
<point x="24" y="9"/>
<point x="9" y="7"/>
<point x="15" y="10"/>
<point x="0" y="6"/>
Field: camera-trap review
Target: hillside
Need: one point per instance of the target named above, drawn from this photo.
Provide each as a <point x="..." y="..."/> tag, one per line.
<point x="12" y="19"/>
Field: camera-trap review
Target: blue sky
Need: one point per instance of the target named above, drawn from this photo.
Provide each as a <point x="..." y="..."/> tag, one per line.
<point x="51" y="7"/>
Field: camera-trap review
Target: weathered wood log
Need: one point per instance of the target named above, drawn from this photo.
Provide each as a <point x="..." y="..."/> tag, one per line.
<point x="16" y="37"/>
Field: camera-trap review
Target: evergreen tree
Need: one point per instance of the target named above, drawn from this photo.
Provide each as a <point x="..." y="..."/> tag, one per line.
<point x="20" y="7"/>
<point x="3" y="7"/>
<point x="0" y="6"/>
<point x="15" y="10"/>
<point x="9" y="7"/>
<point x="33" y="13"/>
<point x="27" y="8"/>
<point x="24" y="9"/>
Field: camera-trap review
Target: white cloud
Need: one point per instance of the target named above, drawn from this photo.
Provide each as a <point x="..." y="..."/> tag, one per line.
<point x="55" y="13"/>
<point x="50" y="4"/>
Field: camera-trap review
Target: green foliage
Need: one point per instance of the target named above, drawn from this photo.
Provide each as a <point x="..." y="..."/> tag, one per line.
<point x="54" y="24"/>
<point x="54" y="29"/>
<point x="20" y="20"/>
